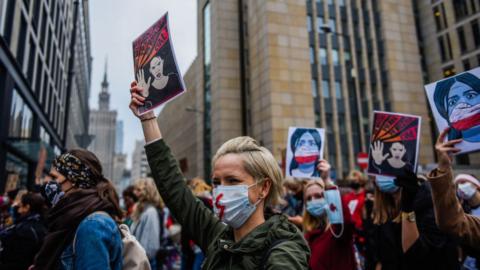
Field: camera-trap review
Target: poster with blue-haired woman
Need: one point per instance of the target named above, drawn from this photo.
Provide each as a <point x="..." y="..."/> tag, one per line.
<point x="304" y="151"/>
<point x="455" y="104"/>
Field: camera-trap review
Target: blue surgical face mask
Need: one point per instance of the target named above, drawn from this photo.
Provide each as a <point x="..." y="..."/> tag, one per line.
<point x="317" y="207"/>
<point x="231" y="204"/>
<point x="386" y="184"/>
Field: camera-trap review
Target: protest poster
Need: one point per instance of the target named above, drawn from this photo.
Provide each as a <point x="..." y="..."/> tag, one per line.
<point x="156" y="69"/>
<point x="304" y="151"/>
<point x="455" y="103"/>
<point x="394" y="144"/>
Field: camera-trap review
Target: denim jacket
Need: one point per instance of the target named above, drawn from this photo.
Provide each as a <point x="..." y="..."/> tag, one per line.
<point x="98" y="245"/>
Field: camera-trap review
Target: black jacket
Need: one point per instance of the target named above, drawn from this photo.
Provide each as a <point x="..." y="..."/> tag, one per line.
<point x="20" y="242"/>
<point x="432" y="250"/>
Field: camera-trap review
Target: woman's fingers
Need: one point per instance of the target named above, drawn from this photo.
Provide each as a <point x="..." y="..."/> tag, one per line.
<point x="138" y="97"/>
<point x="443" y="135"/>
<point x="137" y="102"/>
<point x="452" y="142"/>
<point x="136" y="89"/>
<point x="133" y="84"/>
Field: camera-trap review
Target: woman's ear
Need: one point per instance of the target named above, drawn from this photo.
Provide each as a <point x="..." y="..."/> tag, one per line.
<point x="267" y="184"/>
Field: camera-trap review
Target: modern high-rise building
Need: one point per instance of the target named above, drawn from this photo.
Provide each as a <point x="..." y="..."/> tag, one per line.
<point x="263" y="66"/>
<point x="44" y="81"/>
<point x="140" y="167"/>
<point x="103" y="126"/>
<point x="119" y="137"/>
<point x="449" y="34"/>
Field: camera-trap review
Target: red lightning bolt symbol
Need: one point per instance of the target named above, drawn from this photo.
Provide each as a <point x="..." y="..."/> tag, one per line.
<point x="218" y="206"/>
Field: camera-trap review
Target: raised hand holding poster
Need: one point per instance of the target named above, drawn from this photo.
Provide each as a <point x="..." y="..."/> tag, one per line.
<point x="304" y="151"/>
<point x="156" y="69"/>
<point x="393" y="144"/>
<point x="455" y="103"/>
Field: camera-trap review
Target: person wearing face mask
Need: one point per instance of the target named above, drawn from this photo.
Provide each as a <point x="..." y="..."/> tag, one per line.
<point x="405" y="235"/>
<point x="355" y="200"/>
<point x="82" y="229"/>
<point x="20" y="242"/>
<point x="330" y="244"/>
<point x="450" y="216"/>
<point x="247" y="178"/>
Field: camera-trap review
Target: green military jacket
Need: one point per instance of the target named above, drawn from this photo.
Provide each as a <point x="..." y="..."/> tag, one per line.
<point x="255" y="251"/>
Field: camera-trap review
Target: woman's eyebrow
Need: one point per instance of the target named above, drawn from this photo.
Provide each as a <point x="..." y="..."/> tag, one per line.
<point x="468" y="91"/>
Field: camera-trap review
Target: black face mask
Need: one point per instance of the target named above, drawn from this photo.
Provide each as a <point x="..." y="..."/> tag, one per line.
<point x="355" y="185"/>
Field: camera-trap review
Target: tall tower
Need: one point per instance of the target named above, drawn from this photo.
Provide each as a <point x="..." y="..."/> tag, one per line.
<point x="103" y="126"/>
<point x="104" y="96"/>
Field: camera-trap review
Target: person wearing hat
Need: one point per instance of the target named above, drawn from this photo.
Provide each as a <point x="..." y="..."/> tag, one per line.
<point x="468" y="189"/>
<point x="82" y="231"/>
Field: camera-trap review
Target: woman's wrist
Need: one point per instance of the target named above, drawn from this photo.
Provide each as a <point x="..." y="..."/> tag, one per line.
<point x="151" y="130"/>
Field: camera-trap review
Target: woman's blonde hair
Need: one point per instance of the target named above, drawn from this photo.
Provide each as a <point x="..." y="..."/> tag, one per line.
<point x="148" y="195"/>
<point x="310" y="222"/>
<point x="258" y="162"/>
<point x="385" y="207"/>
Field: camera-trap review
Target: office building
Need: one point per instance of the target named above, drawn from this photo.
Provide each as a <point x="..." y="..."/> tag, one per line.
<point x="263" y="66"/>
<point x="140" y="167"/>
<point x="119" y="137"/>
<point x="44" y="66"/>
<point x="449" y="35"/>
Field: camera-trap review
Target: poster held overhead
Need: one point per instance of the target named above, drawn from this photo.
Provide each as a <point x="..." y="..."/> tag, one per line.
<point x="304" y="151"/>
<point x="455" y="103"/>
<point x="394" y="144"/>
<point x="156" y="69"/>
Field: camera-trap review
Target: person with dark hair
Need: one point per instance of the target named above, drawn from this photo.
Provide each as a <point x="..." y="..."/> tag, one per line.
<point x="457" y="100"/>
<point x="82" y="229"/>
<point x="129" y="199"/>
<point x="21" y="241"/>
<point x="395" y="162"/>
<point x="305" y="145"/>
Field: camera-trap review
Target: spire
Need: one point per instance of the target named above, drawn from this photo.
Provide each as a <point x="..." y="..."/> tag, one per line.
<point x="104" y="96"/>
<point x="105" y="81"/>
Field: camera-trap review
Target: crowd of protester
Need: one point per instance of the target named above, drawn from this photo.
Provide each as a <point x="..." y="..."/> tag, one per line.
<point x="246" y="217"/>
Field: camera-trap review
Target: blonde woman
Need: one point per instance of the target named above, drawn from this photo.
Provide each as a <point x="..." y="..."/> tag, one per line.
<point x="146" y="217"/>
<point x="331" y="246"/>
<point x="247" y="178"/>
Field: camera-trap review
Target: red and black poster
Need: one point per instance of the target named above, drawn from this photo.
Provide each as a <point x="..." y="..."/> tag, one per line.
<point x="394" y="143"/>
<point x="156" y="69"/>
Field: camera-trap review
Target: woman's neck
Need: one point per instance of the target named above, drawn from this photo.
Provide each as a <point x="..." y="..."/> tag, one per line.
<point x="254" y="221"/>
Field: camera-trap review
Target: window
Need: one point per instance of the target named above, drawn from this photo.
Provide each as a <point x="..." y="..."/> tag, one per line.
<point x="440" y="18"/>
<point x="22" y="41"/>
<point x="43" y="31"/>
<point x="320" y="24"/>
<point x="461" y="9"/>
<point x="312" y="55"/>
<point x="476" y="33"/>
<point x="314" y="88"/>
<point x="448" y="71"/>
<point x="331" y="24"/>
<point x="309" y="23"/>
<point x="8" y="23"/>
<point x="461" y="39"/>
<point x="21" y="118"/>
<point x="338" y="90"/>
<point x="325" y="89"/>
<point x="323" y="56"/>
<point x="31" y="61"/>
<point x="466" y="64"/>
<point x="335" y="57"/>
<point x="445" y="47"/>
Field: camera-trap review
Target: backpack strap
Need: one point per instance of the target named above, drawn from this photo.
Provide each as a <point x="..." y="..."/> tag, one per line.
<point x="269" y="251"/>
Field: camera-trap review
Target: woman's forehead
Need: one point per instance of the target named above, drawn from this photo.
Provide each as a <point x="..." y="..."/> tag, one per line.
<point x="229" y="164"/>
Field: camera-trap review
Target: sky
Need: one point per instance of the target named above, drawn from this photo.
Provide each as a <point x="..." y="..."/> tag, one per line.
<point x="114" y="24"/>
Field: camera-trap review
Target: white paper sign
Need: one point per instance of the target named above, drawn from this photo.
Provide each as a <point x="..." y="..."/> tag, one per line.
<point x="455" y="103"/>
<point x="304" y="151"/>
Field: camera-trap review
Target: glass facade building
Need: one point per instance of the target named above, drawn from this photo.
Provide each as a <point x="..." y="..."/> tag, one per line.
<point x="41" y="43"/>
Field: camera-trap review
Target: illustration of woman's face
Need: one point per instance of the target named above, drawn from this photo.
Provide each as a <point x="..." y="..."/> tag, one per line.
<point x="306" y="150"/>
<point x="397" y="150"/>
<point x="463" y="104"/>
<point x="156" y="67"/>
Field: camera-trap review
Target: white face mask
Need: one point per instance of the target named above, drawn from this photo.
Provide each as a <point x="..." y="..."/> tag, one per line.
<point x="231" y="204"/>
<point x="466" y="190"/>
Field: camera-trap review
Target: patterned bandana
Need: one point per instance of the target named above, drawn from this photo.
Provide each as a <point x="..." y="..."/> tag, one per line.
<point x="75" y="171"/>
